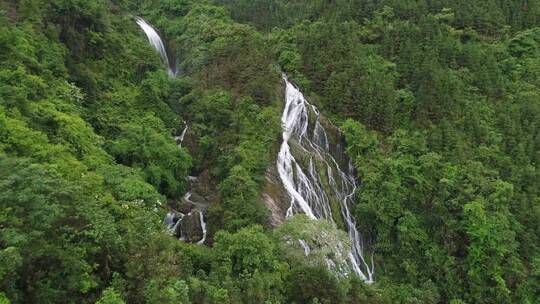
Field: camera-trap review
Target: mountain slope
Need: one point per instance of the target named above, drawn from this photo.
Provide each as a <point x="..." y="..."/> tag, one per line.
<point x="438" y="102"/>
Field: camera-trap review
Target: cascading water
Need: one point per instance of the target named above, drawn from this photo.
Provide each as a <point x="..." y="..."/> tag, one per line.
<point x="175" y="221"/>
<point x="191" y="226"/>
<point x="180" y="138"/>
<point x="157" y="44"/>
<point x="314" y="179"/>
<point x="203" y="228"/>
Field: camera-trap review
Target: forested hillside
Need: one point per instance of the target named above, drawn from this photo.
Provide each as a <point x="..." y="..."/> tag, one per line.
<point x="436" y="102"/>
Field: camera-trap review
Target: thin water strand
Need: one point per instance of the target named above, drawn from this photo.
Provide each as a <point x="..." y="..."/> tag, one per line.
<point x="203" y="228"/>
<point x="156" y="42"/>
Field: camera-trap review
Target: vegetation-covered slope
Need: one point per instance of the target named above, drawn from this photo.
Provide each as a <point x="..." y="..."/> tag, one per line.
<point x="439" y="102"/>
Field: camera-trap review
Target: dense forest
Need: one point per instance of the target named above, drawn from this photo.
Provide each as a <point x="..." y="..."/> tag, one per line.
<point x="437" y="101"/>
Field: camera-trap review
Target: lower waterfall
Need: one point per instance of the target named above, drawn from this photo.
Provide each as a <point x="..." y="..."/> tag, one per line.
<point x="314" y="179"/>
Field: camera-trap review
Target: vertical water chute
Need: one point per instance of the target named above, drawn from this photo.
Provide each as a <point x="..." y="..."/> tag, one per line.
<point x="315" y="176"/>
<point x="180" y="138"/>
<point x="203" y="228"/>
<point x="157" y="44"/>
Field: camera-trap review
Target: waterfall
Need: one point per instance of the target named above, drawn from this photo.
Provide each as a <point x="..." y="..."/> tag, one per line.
<point x="203" y="228"/>
<point x="157" y="44"/>
<point x="173" y="220"/>
<point x="305" y="246"/>
<point x="176" y="222"/>
<point x="312" y="186"/>
<point x="169" y="221"/>
<point x="180" y="138"/>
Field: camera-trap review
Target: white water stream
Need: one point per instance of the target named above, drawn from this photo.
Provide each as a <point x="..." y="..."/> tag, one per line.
<point x="157" y="43"/>
<point x="305" y="186"/>
<point x="180" y="138"/>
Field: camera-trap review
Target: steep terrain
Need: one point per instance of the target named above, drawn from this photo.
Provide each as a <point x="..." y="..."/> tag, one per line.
<point x="151" y="152"/>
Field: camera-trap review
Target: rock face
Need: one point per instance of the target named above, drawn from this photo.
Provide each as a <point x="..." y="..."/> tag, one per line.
<point x="184" y="206"/>
<point x="191" y="227"/>
<point x="275" y="197"/>
<point x="186" y="220"/>
<point x="188" y="227"/>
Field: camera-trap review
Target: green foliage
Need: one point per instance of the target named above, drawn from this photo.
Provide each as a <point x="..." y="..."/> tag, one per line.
<point x="525" y="43"/>
<point x="245" y="252"/>
<point x="110" y="296"/>
<point x="67" y="206"/>
<point x="350" y="78"/>
<point x="488" y="17"/>
<point x="250" y="257"/>
<point x="325" y="240"/>
<point x="36" y="201"/>
<point x="240" y="200"/>
<point x="172" y="292"/>
<point x="142" y="145"/>
<point x="438" y="102"/>
<point x="314" y="285"/>
<point x="4" y="299"/>
<point x="234" y="136"/>
<point x="435" y="191"/>
<point x="492" y="243"/>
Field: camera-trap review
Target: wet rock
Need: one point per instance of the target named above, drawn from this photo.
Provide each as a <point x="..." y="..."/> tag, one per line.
<point x="177" y="215"/>
<point x="176" y="229"/>
<point x="191" y="227"/>
<point x="274" y="197"/>
<point x="204" y="191"/>
<point x="184" y="206"/>
<point x="199" y="201"/>
<point x="173" y="221"/>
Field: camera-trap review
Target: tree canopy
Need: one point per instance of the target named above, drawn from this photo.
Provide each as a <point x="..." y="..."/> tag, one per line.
<point x="438" y="102"/>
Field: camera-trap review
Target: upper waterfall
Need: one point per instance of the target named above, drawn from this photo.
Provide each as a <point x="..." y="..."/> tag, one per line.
<point x="189" y="226"/>
<point x="317" y="183"/>
<point x="157" y="44"/>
